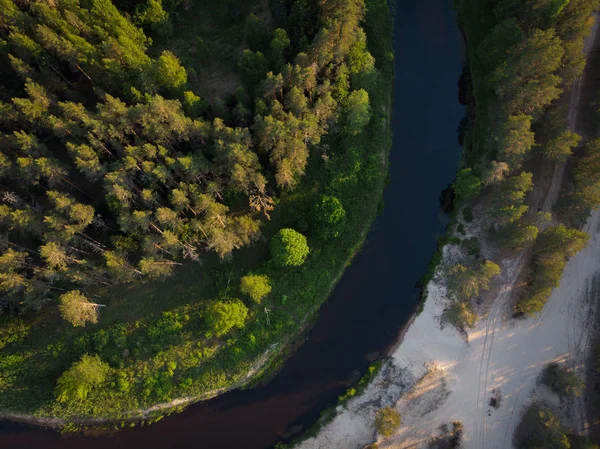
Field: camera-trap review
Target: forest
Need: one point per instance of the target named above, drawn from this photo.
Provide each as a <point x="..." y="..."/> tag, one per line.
<point x="524" y="57"/>
<point x="171" y="171"/>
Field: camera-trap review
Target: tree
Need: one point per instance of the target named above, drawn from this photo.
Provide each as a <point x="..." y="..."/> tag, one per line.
<point x="467" y="186"/>
<point x="193" y="104"/>
<point x="330" y="216"/>
<point x="77" y="309"/>
<point x="356" y="112"/>
<point x="515" y="140"/>
<point x="508" y="198"/>
<point x="387" y="421"/>
<point x="492" y="51"/>
<point x="223" y="316"/>
<point x="169" y="74"/>
<point x="153" y="16"/>
<point x="562" y="381"/>
<point x="461" y="315"/>
<point x="560" y="148"/>
<point x="467" y="282"/>
<point x="253" y="66"/>
<point x="525" y="82"/>
<point x="255" y="286"/>
<point x="519" y="235"/>
<point x="585" y="194"/>
<point x="289" y="248"/>
<point x="552" y="249"/>
<point x="279" y="46"/>
<point x="361" y="65"/>
<point x="539" y="428"/>
<point x="78" y="381"/>
<point x="495" y="173"/>
<point x="256" y="35"/>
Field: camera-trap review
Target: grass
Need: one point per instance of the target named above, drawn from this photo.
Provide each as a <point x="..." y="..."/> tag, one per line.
<point x="154" y="335"/>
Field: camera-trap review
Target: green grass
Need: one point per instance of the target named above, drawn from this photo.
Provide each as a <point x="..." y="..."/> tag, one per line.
<point x="154" y="335"/>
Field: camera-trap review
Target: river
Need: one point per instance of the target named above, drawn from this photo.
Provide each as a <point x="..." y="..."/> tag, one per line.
<point x="376" y="296"/>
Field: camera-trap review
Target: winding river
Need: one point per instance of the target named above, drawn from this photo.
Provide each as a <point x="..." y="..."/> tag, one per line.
<point x="376" y="296"/>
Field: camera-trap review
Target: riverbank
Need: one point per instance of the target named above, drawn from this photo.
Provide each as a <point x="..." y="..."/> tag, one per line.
<point x="317" y="279"/>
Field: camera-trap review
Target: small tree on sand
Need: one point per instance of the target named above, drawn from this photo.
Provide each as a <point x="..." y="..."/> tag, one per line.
<point x="562" y="381"/>
<point x="387" y="421"/>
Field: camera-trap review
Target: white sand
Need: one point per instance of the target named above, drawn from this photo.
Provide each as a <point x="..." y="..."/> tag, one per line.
<point x="451" y="379"/>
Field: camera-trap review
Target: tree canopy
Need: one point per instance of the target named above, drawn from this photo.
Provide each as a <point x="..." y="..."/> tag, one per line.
<point x="223" y="316"/>
<point x="76" y="383"/>
<point x="289" y="248"/>
<point x="255" y="286"/>
<point x="114" y="168"/>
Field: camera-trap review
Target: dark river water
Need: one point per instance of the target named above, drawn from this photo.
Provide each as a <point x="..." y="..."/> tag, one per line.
<point x="377" y="294"/>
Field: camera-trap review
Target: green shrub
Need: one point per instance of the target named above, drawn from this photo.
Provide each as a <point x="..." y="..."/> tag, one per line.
<point x="330" y="217"/>
<point x="467" y="186"/>
<point x="289" y="248"/>
<point x="170" y="323"/>
<point x="467" y="214"/>
<point x="255" y="286"/>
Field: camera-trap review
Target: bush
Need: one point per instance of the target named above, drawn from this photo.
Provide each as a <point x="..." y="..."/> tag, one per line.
<point x="467" y="186"/>
<point x="467" y="214"/>
<point x="223" y="316"/>
<point x="562" y="381"/>
<point x="330" y="217"/>
<point x="540" y="427"/>
<point x="169" y="323"/>
<point x="255" y="286"/>
<point x="387" y="421"/>
<point x="81" y="378"/>
<point x="289" y="248"/>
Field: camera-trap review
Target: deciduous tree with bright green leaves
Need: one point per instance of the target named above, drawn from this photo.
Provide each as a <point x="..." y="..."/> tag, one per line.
<point x="356" y="112"/>
<point x="76" y="383"/>
<point x="289" y="248"/>
<point x="225" y="315"/>
<point x="255" y="286"/>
